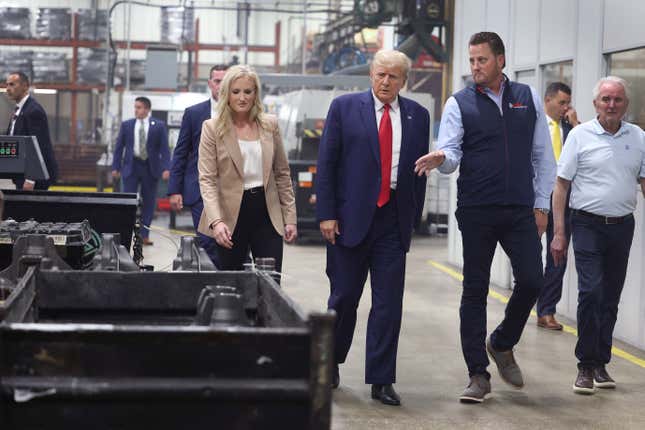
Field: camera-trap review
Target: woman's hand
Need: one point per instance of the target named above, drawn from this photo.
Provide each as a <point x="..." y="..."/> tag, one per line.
<point x="290" y="233"/>
<point x="222" y="235"/>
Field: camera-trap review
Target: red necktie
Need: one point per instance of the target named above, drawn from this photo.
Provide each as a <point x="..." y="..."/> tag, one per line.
<point x="385" y="143"/>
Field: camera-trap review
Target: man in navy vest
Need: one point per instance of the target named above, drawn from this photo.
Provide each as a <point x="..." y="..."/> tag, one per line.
<point x="183" y="185"/>
<point x="561" y="117"/>
<point x="368" y="200"/>
<point x="141" y="157"/>
<point x="496" y="131"/>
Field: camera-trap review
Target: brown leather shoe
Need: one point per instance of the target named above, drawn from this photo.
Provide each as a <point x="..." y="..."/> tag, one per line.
<point x="549" y="322"/>
<point x="147" y="242"/>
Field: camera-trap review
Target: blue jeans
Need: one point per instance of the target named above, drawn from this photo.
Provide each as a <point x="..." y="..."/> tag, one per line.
<point x="482" y="227"/>
<point x="601" y="252"/>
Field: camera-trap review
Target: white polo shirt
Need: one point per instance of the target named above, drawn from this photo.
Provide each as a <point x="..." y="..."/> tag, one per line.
<point x="604" y="168"/>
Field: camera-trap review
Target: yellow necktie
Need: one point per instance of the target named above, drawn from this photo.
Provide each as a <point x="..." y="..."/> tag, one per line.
<point x="556" y="139"/>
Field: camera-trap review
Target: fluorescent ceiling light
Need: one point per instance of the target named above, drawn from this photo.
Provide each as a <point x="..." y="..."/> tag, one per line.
<point x="45" y="91"/>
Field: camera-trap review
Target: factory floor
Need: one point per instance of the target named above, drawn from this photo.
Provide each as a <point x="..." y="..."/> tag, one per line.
<point x="431" y="370"/>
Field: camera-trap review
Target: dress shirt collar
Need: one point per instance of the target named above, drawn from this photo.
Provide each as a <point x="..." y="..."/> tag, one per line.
<point x="487" y="90"/>
<point x="22" y="102"/>
<point x="145" y="120"/>
<point x="378" y="105"/>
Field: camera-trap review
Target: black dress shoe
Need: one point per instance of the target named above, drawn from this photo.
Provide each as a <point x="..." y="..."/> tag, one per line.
<point x="335" y="377"/>
<point x="386" y="394"/>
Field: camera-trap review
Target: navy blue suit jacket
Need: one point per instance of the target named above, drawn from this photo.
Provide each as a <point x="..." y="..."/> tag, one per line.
<point x="32" y="121"/>
<point x="184" y="178"/>
<point x="349" y="174"/>
<point x="156" y="145"/>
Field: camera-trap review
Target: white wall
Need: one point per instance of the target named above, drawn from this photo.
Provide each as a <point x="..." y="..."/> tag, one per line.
<point x="546" y="31"/>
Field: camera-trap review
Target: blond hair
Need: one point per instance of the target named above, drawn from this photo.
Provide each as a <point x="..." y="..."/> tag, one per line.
<point x="224" y="116"/>
<point x="392" y="58"/>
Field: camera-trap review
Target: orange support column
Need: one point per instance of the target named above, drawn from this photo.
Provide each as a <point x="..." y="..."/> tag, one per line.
<point x="276" y="51"/>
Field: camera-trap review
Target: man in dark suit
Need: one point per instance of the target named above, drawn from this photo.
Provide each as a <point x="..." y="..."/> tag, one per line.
<point x="368" y="200"/>
<point x="29" y="119"/>
<point x="141" y="156"/>
<point x="561" y="117"/>
<point x="183" y="185"/>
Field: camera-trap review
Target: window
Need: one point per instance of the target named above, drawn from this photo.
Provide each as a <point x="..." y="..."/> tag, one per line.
<point x="557" y="72"/>
<point x="630" y="65"/>
<point x="526" y="77"/>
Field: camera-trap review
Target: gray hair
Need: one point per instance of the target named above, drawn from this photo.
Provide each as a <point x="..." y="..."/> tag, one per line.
<point x="392" y="58"/>
<point x="613" y="79"/>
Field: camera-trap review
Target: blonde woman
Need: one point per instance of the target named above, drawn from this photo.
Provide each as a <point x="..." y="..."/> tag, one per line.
<point x="244" y="176"/>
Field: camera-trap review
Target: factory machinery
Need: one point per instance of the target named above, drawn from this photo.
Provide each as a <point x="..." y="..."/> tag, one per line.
<point x="92" y="338"/>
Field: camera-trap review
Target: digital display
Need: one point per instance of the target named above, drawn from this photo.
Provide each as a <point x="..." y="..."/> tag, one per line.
<point x="8" y="149"/>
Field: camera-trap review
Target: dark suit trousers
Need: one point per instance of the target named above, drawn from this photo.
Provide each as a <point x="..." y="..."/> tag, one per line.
<point x="141" y="177"/>
<point x="208" y="243"/>
<point x="601" y="252"/>
<point x="553" y="275"/>
<point x="382" y="255"/>
<point x="482" y="227"/>
<point x="253" y="230"/>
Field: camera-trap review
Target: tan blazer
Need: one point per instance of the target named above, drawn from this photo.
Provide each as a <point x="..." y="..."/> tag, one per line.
<point x="221" y="178"/>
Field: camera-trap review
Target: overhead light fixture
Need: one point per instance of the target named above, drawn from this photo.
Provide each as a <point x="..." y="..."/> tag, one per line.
<point x="45" y="91"/>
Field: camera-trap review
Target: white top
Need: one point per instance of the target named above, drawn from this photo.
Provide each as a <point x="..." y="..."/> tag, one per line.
<point x="395" y="118"/>
<point x="213" y="107"/>
<point x="604" y="168"/>
<point x="252" y="156"/>
<point x="137" y="126"/>
<point x="20" y="104"/>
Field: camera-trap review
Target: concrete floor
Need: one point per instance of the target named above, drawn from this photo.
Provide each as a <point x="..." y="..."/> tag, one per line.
<point x="431" y="369"/>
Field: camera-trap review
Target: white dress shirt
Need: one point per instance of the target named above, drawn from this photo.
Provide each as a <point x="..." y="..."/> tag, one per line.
<point x="213" y="107"/>
<point x="137" y="126"/>
<point x="20" y="104"/>
<point x="395" y="117"/>
<point x="252" y="156"/>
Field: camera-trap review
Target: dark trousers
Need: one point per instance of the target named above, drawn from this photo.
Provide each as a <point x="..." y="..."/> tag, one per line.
<point x="253" y="230"/>
<point x="206" y="242"/>
<point x="382" y="255"/>
<point x="553" y="275"/>
<point x="482" y="227"/>
<point x="601" y="253"/>
<point x="141" y="176"/>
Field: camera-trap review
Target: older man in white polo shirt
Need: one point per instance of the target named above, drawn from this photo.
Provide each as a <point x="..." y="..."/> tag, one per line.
<point x="603" y="161"/>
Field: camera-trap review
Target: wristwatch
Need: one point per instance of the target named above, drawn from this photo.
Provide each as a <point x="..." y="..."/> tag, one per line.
<point x="545" y="211"/>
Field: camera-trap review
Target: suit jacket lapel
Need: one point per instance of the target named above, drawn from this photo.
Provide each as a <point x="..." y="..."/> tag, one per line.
<point x="266" y="142"/>
<point x="233" y="148"/>
<point x="368" y="115"/>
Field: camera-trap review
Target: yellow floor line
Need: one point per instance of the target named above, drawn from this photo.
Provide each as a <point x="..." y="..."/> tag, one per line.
<point x="173" y="231"/>
<point x="566" y="328"/>
<point x="77" y="189"/>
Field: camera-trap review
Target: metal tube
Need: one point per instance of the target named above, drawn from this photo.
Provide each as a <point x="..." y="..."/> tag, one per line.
<point x="304" y="36"/>
<point x="128" y="45"/>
